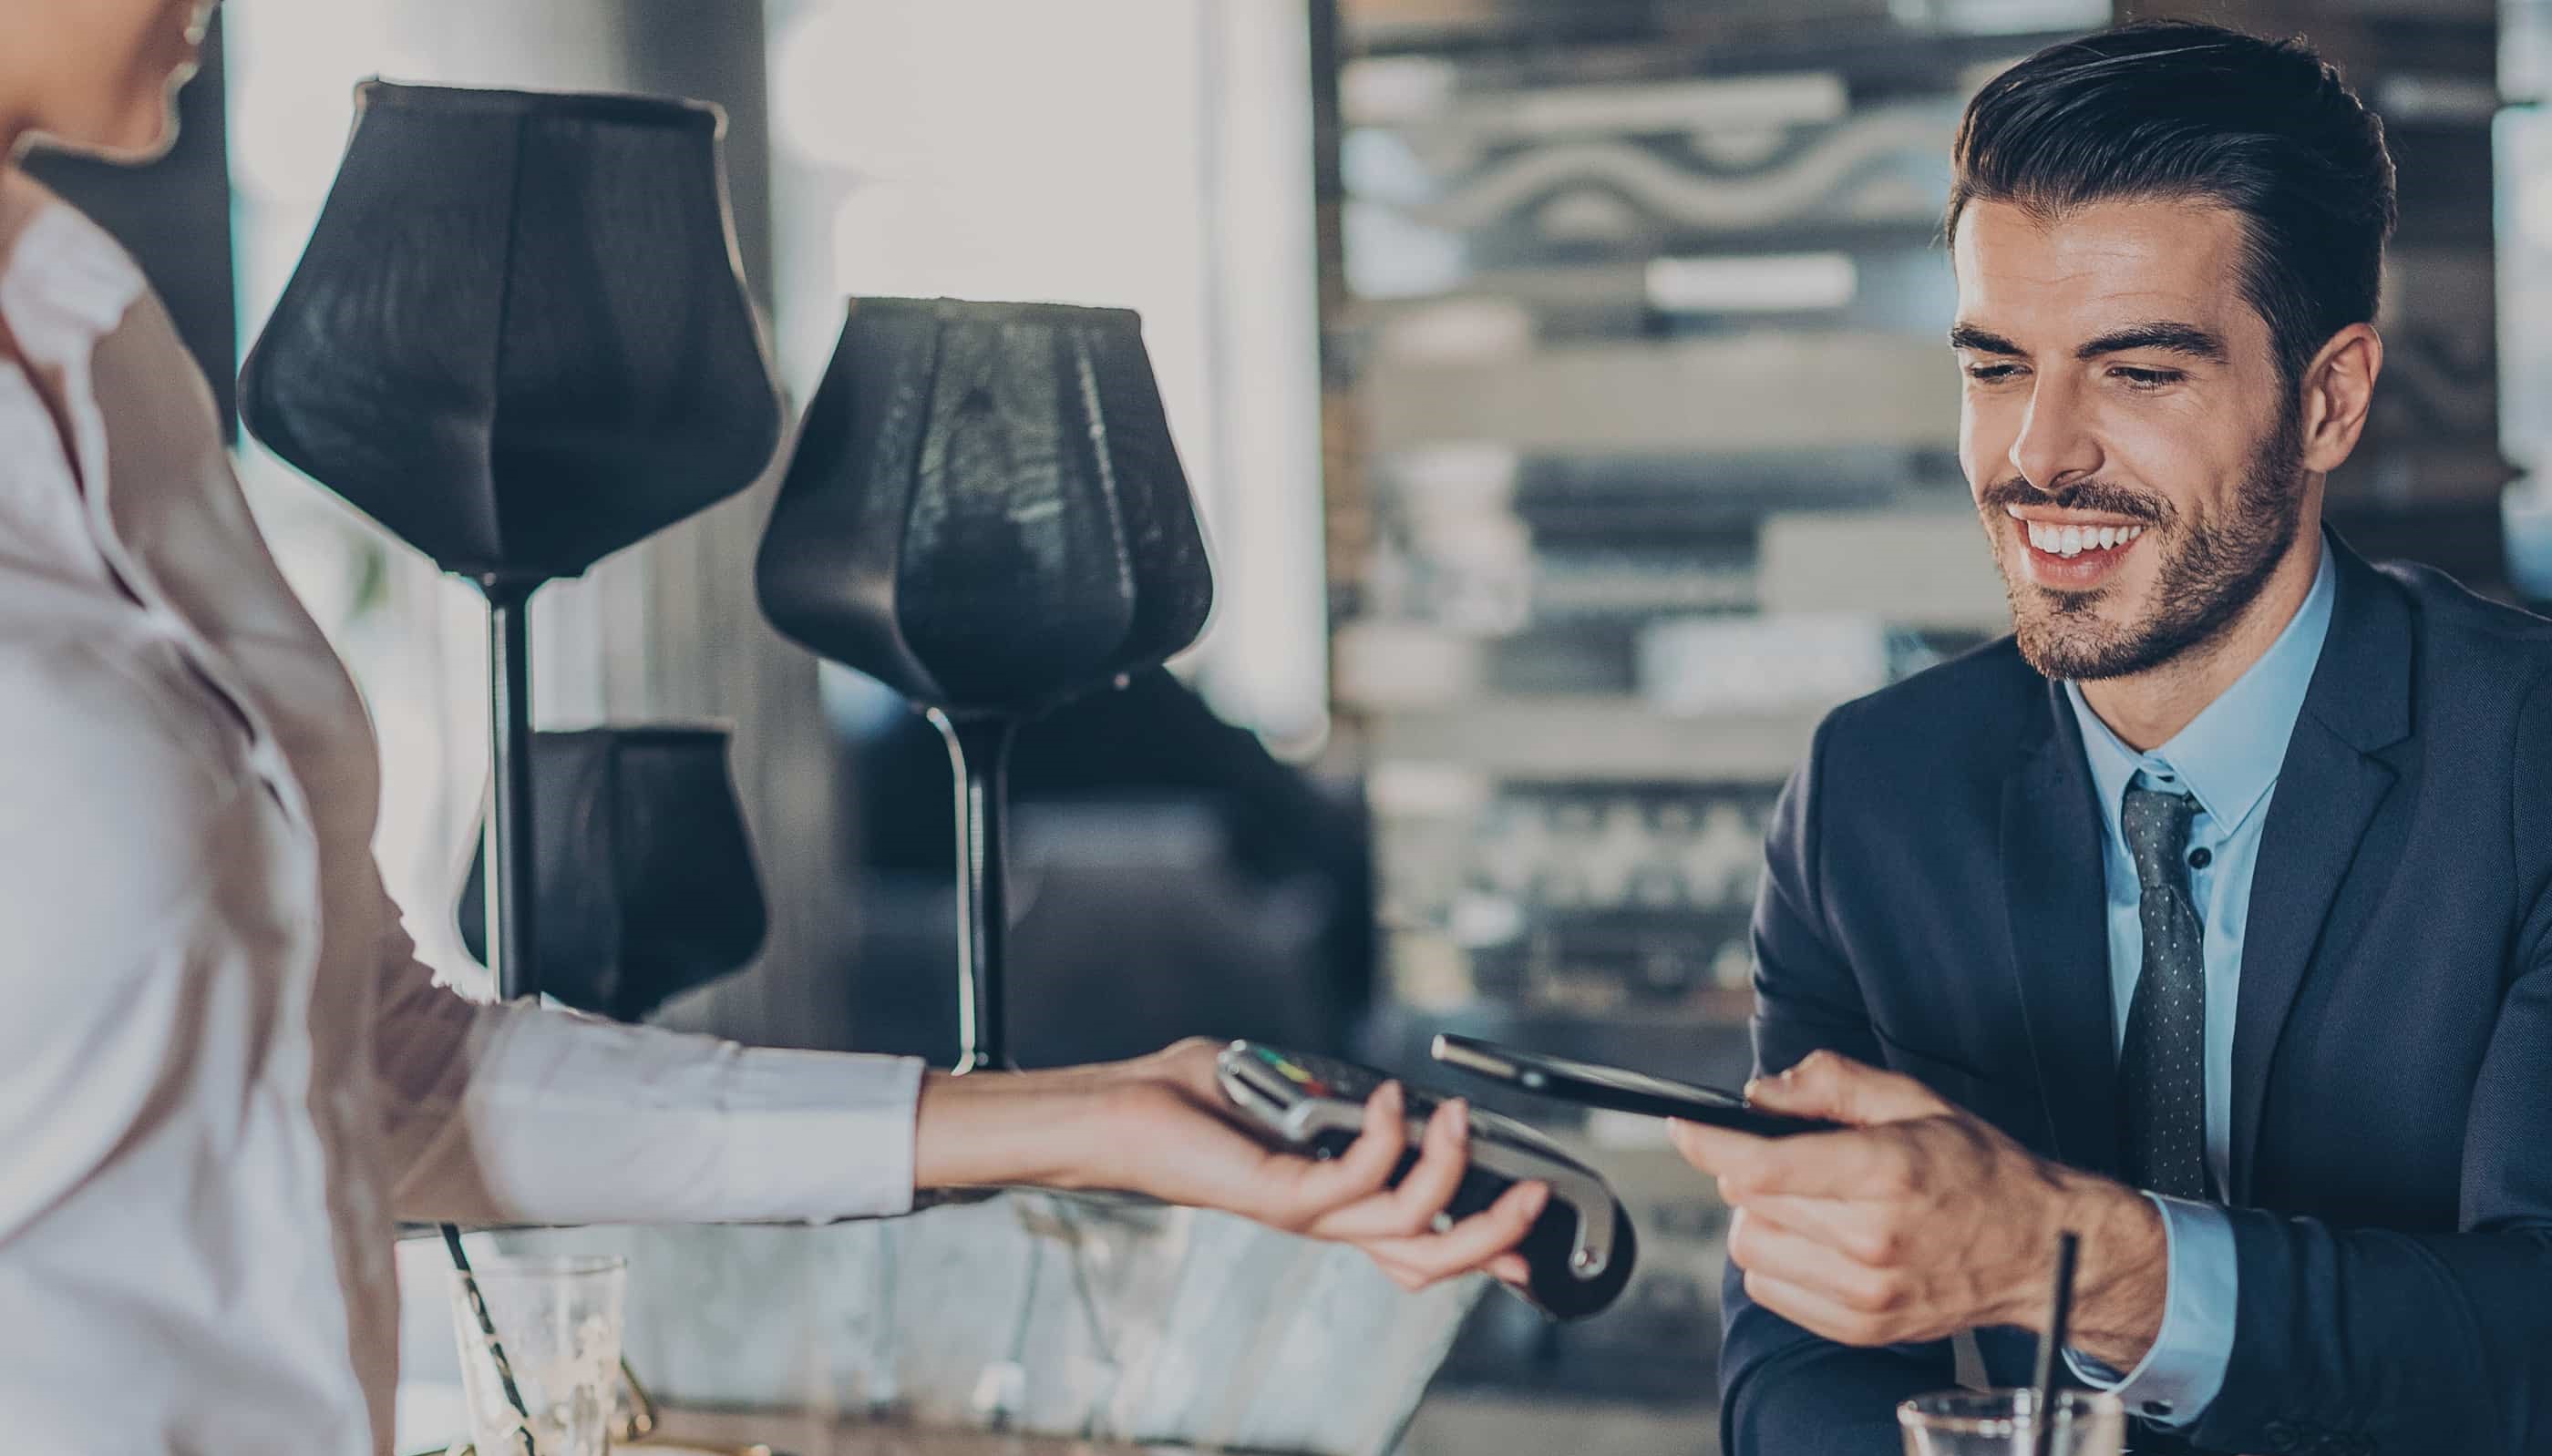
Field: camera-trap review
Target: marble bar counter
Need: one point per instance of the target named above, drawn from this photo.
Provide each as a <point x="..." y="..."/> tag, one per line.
<point x="1088" y="1320"/>
<point x="736" y="1433"/>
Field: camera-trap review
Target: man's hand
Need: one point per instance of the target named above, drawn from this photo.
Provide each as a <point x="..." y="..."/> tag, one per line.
<point x="1920" y="1220"/>
<point x="1158" y="1125"/>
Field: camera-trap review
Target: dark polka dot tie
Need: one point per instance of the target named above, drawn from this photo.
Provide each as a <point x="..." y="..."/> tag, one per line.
<point x="2162" y="1073"/>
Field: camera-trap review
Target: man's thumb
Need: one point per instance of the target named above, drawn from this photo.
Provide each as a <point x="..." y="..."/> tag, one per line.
<point x="1834" y="1086"/>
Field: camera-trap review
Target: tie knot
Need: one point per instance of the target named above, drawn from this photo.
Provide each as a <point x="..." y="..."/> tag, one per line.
<point x="2157" y="828"/>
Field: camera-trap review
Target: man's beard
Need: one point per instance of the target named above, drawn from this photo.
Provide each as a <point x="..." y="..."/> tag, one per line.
<point x="2212" y="568"/>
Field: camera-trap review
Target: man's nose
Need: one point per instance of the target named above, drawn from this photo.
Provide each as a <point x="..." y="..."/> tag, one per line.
<point x="2056" y="443"/>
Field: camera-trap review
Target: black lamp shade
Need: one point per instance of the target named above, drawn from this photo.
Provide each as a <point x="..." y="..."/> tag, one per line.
<point x="646" y="882"/>
<point x="519" y="338"/>
<point x="985" y="511"/>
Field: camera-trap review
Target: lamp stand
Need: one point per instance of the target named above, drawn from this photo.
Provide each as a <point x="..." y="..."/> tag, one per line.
<point x="506" y="853"/>
<point x="979" y="752"/>
<point x="513" y="872"/>
<point x="509" y="857"/>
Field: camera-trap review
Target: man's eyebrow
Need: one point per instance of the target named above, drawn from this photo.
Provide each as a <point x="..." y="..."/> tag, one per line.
<point x="2164" y="337"/>
<point x="1968" y="336"/>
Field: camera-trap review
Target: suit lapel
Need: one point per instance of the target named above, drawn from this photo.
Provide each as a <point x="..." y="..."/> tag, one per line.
<point x="2331" y="791"/>
<point x="2056" y="900"/>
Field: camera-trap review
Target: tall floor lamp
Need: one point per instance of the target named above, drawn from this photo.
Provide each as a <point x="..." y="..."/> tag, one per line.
<point x="519" y="340"/>
<point x="985" y="512"/>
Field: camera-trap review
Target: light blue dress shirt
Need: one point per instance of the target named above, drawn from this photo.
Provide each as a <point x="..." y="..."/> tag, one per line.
<point x="2227" y="759"/>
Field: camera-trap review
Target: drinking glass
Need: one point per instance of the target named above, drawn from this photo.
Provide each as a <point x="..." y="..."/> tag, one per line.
<point x="558" y="1327"/>
<point x="2004" y="1423"/>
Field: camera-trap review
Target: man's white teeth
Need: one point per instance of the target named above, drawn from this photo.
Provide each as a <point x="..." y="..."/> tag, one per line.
<point x="2075" y="540"/>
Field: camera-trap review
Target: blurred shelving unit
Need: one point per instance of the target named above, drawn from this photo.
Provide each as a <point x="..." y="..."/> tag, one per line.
<point x="1641" y="454"/>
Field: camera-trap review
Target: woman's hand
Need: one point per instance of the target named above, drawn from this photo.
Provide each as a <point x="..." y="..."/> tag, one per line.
<point x="1184" y="1147"/>
<point x="1158" y="1126"/>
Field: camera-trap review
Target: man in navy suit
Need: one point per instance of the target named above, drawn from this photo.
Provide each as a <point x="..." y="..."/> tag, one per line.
<point x="2211" y="914"/>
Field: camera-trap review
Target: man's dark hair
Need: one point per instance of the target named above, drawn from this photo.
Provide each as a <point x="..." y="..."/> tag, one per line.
<point x="2176" y="110"/>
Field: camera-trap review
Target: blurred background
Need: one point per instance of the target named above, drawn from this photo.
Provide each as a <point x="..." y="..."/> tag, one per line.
<point x="1564" y="389"/>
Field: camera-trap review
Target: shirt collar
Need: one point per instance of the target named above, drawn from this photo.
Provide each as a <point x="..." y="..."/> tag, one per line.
<point x="2229" y="754"/>
<point x="64" y="283"/>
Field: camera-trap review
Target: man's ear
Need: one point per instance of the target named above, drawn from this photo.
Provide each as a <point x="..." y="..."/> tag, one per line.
<point x="2338" y="393"/>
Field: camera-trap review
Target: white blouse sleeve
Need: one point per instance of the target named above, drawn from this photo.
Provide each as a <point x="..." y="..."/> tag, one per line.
<point x="532" y="1114"/>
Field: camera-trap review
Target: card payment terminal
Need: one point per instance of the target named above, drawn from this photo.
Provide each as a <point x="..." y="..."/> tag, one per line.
<point x="1580" y="1250"/>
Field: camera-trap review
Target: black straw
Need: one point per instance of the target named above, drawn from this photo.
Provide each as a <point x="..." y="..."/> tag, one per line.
<point x="487" y="1327"/>
<point x="2060" y="1312"/>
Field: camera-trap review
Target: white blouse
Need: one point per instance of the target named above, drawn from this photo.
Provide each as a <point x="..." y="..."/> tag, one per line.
<point x="223" y="1073"/>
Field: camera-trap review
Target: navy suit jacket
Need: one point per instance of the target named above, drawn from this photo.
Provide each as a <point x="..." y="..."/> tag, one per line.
<point x="1933" y="902"/>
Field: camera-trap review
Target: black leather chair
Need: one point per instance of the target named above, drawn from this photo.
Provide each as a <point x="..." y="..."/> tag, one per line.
<point x="645" y="876"/>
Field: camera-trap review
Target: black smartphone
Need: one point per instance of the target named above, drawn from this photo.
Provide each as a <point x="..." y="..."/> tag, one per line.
<point x="1616" y="1088"/>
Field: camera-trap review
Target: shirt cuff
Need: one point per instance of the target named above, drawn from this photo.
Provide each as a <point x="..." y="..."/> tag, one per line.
<point x="2179" y="1378"/>
<point x="816" y="1136"/>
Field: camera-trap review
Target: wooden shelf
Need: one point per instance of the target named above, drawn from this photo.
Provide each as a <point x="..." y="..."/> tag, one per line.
<point x="1604" y="739"/>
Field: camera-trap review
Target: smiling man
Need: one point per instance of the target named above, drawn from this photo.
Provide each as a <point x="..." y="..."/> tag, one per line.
<point x="2209" y="915"/>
